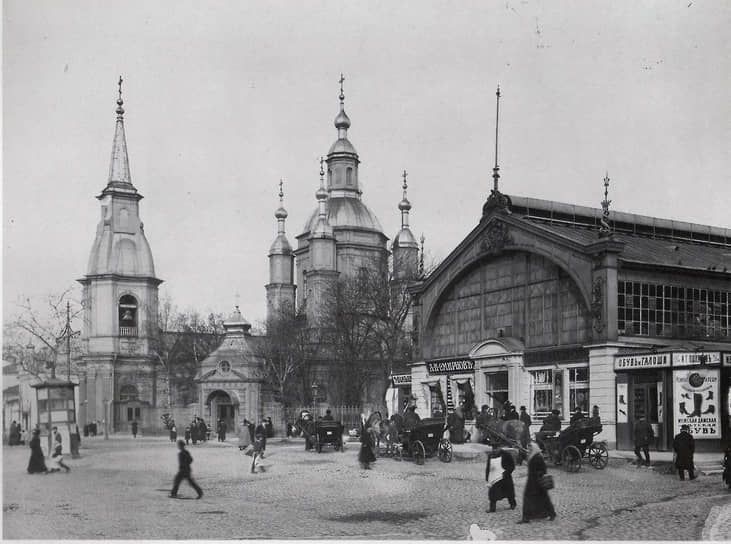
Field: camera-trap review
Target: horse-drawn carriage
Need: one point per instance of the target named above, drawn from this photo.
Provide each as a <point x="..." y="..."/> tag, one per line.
<point x="422" y="441"/>
<point x="327" y="432"/>
<point x="576" y="442"/>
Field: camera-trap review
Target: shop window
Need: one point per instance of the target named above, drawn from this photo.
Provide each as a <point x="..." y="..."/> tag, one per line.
<point x="496" y="388"/>
<point x="664" y="310"/>
<point x="437" y="401"/>
<point x="579" y="388"/>
<point x="541" y="392"/>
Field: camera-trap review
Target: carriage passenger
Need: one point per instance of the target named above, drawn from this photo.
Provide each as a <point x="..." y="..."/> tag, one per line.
<point x="328" y="416"/>
<point x="551" y="425"/>
<point x="577" y="415"/>
<point x="411" y="419"/>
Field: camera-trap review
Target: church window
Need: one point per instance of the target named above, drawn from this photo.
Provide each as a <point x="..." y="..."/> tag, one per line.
<point x="224" y="367"/>
<point x="127" y="316"/>
<point x="128" y="393"/>
<point x="123" y="218"/>
<point x="349" y="176"/>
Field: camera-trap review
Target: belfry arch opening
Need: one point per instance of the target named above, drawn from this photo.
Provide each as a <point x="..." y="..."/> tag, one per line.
<point x="128" y="316"/>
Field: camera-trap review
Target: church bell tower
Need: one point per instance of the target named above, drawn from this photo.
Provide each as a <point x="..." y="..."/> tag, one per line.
<point x="119" y="381"/>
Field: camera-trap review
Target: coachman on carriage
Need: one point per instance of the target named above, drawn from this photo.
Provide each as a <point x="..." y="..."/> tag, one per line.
<point x="576" y="442"/>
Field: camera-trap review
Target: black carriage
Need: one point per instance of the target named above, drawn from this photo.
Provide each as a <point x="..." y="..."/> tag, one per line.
<point x="575" y="443"/>
<point x="424" y="440"/>
<point x="327" y="432"/>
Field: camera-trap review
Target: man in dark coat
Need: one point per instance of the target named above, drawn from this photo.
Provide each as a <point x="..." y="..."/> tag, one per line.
<point x="261" y="432"/>
<point x="411" y="419"/>
<point x="134" y="429"/>
<point x="577" y="415"/>
<point x="684" y="448"/>
<point x="551" y="425"/>
<point x="499" y="477"/>
<point x="328" y="415"/>
<point x="536" y="502"/>
<point x="524" y="417"/>
<point x="184" y="461"/>
<point x="643" y="436"/>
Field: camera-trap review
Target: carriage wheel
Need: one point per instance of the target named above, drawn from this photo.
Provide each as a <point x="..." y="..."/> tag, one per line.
<point x="445" y="450"/>
<point x="419" y="452"/>
<point x="571" y="458"/>
<point x="598" y="455"/>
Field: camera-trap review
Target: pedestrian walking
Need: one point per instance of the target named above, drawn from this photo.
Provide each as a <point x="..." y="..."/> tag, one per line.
<point x="258" y="452"/>
<point x="221" y="430"/>
<point x="524" y="417"/>
<point x="365" y="455"/>
<point x="727" y="467"/>
<point x="499" y="478"/>
<point x="37" y="462"/>
<point x="174" y="433"/>
<point x="261" y="431"/>
<point x="14" y="434"/>
<point x="536" y="502"/>
<point x="194" y="431"/>
<point x="186" y="434"/>
<point x="644" y="435"/>
<point x="684" y="448"/>
<point x="184" y="462"/>
<point x="134" y="429"/>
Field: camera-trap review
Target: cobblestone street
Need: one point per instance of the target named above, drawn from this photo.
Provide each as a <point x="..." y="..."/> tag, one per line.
<point x="119" y="487"/>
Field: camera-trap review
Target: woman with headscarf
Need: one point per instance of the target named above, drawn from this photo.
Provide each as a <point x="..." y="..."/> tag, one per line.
<point x="536" y="502"/>
<point x="499" y="477"/>
<point x="37" y="462"/>
<point x="366" y="455"/>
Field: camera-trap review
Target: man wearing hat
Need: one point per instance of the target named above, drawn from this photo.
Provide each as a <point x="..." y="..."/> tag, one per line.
<point x="524" y="417"/>
<point x="684" y="447"/>
<point x="551" y="425"/>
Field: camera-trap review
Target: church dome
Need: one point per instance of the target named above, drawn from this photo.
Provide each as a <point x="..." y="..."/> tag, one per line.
<point x="342" y="145"/>
<point x="342" y="120"/>
<point x="405" y="238"/>
<point x="346" y="212"/>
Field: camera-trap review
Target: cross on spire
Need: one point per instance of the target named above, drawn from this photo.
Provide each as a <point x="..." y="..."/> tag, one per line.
<point x="496" y="168"/>
<point x="342" y="79"/>
<point x="281" y="192"/>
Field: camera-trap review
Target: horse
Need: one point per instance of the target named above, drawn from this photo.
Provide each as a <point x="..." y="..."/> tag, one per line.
<point x="388" y="432"/>
<point x="515" y="431"/>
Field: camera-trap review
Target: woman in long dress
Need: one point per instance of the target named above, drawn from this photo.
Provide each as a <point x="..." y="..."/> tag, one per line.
<point x="37" y="461"/>
<point x="536" y="502"/>
<point x="366" y="455"/>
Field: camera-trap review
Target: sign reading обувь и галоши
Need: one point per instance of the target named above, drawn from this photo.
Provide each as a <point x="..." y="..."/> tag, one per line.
<point x="450" y="366"/>
<point x="665" y="360"/>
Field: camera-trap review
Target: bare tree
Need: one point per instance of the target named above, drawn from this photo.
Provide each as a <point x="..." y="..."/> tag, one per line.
<point x="287" y="348"/>
<point x="34" y="336"/>
<point x="184" y="340"/>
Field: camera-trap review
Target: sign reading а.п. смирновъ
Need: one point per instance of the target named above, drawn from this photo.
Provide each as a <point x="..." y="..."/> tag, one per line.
<point x="451" y="366"/>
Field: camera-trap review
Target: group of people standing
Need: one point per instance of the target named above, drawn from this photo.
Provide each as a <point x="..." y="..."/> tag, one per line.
<point x="683" y="447"/>
<point x="196" y="432"/>
<point x="16" y="435"/>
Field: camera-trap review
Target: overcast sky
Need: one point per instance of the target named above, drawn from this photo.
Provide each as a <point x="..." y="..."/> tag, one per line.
<point x="224" y="98"/>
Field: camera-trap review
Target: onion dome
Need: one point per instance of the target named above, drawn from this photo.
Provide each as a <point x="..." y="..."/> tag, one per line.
<point x="280" y="246"/>
<point x="405" y="237"/>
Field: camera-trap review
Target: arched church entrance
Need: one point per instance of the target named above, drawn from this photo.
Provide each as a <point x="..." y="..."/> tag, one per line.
<point x="222" y="406"/>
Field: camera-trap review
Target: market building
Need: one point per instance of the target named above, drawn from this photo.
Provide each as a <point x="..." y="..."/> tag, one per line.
<point x="558" y="306"/>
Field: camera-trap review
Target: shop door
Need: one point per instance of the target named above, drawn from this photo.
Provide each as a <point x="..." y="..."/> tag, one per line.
<point x="645" y="403"/>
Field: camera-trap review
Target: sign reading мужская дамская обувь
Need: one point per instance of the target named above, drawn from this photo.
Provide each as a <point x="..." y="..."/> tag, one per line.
<point x="696" y="401"/>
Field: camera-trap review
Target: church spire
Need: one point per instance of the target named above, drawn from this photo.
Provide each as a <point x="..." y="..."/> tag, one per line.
<point x="404" y="205"/>
<point x="342" y="121"/>
<point x="322" y="228"/>
<point x="119" y="166"/>
<point x="605" y="228"/>
<point x="496" y="200"/>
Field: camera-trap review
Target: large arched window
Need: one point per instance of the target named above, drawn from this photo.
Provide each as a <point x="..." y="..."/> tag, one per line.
<point x="128" y="393"/>
<point x="128" y="316"/>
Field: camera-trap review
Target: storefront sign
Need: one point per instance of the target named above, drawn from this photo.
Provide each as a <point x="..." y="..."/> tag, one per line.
<point x="622" y="403"/>
<point x="401" y="379"/>
<point x="451" y="366"/>
<point x="696" y="402"/>
<point x="727" y="359"/>
<point x="652" y="360"/>
<point x="685" y="358"/>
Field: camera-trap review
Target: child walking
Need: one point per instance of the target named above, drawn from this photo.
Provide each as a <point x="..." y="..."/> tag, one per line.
<point x="184" y="461"/>
<point x="259" y="441"/>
